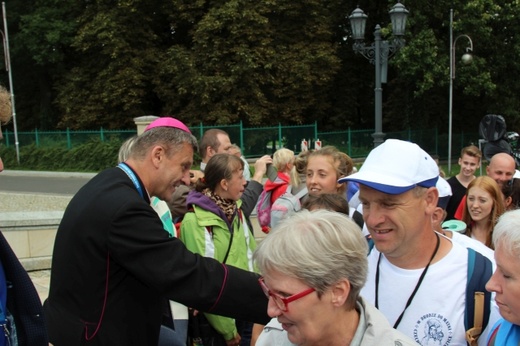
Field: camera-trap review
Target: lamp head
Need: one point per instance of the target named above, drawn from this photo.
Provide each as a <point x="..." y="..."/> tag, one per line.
<point x="467" y="58"/>
<point x="398" y="15"/>
<point x="358" y="20"/>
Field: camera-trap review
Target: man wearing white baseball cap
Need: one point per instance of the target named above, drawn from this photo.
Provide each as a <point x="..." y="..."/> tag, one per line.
<point x="416" y="277"/>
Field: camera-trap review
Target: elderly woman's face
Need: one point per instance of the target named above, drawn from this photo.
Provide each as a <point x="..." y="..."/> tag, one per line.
<point x="306" y="319"/>
<point x="505" y="282"/>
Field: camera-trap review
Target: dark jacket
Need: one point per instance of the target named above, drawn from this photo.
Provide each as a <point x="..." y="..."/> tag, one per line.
<point x="23" y="301"/>
<point x="111" y="245"/>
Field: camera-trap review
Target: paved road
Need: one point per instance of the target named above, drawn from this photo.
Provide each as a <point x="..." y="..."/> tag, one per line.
<point x="56" y="183"/>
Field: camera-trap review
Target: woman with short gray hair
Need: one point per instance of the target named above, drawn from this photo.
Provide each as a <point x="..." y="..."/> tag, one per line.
<point x="314" y="265"/>
<point x="505" y="282"/>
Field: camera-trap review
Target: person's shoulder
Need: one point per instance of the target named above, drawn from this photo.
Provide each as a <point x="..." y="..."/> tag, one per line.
<point x="457" y="249"/>
<point x="378" y="330"/>
<point x="453" y="180"/>
<point x="468" y="242"/>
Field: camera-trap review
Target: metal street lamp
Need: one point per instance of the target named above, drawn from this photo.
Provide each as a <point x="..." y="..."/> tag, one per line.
<point x="466" y="59"/>
<point x="378" y="53"/>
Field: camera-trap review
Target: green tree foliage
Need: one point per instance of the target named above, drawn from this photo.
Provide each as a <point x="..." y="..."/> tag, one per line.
<point x="91" y="63"/>
<point x="116" y="53"/>
<point x="260" y="62"/>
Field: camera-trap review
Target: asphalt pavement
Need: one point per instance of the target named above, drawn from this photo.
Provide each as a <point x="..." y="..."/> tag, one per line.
<point x="55" y="183"/>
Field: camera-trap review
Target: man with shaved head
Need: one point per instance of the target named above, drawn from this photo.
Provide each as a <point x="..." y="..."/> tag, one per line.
<point x="501" y="168"/>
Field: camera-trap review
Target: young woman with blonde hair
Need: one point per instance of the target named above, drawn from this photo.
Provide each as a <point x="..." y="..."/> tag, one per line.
<point x="324" y="168"/>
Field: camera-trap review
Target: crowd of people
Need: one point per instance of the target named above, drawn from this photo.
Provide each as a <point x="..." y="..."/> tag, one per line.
<point x="368" y="260"/>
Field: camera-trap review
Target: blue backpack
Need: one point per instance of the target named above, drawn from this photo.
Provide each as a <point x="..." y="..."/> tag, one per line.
<point x="478" y="300"/>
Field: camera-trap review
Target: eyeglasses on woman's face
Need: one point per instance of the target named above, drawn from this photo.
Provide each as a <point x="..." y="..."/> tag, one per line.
<point x="282" y="302"/>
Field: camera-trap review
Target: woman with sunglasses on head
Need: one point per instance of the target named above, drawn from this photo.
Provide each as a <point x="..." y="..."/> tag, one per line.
<point x="314" y="265"/>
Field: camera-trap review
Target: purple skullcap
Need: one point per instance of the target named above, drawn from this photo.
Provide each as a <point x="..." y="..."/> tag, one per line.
<point x="168" y="122"/>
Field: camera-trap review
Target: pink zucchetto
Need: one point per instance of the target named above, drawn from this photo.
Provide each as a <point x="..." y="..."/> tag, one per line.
<point x="168" y="122"/>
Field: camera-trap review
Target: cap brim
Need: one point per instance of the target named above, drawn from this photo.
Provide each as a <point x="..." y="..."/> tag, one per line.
<point x="393" y="186"/>
<point x="373" y="180"/>
<point x="391" y="190"/>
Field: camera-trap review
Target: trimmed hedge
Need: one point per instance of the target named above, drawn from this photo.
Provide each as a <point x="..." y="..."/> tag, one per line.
<point x="93" y="156"/>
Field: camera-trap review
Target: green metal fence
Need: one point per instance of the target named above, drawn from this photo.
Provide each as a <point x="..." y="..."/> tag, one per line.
<point x="258" y="141"/>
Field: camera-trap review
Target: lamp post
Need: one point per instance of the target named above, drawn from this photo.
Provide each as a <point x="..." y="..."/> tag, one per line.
<point x="466" y="59"/>
<point x="378" y="53"/>
<point x="5" y="40"/>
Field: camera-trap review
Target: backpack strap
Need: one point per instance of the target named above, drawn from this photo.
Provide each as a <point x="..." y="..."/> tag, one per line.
<point x="478" y="300"/>
<point x="370" y="243"/>
<point x="300" y="194"/>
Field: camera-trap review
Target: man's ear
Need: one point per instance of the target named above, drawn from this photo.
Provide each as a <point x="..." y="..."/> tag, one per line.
<point x="431" y="197"/>
<point x="210" y="152"/>
<point x="437" y="218"/>
<point x="158" y="155"/>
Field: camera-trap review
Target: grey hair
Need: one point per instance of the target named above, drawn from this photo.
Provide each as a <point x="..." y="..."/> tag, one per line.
<point x="169" y="137"/>
<point x="126" y="149"/>
<point x="318" y="247"/>
<point x="507" y="232"/>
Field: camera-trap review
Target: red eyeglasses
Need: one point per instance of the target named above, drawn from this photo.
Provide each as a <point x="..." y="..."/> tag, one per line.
<point x="283" y="302"/>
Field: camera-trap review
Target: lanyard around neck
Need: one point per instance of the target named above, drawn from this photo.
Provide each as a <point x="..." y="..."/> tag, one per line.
<point x="423" y="274"/>
<point x="124" y="167"/>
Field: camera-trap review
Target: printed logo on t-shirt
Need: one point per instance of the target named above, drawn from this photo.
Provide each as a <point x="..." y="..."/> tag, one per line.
<point x="433" y="329"/>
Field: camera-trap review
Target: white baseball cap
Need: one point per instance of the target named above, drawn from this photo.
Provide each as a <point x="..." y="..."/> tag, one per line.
<point x="395" y="167"/>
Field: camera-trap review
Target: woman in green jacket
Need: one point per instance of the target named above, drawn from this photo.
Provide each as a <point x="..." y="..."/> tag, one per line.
<point x="215" y="227"/>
